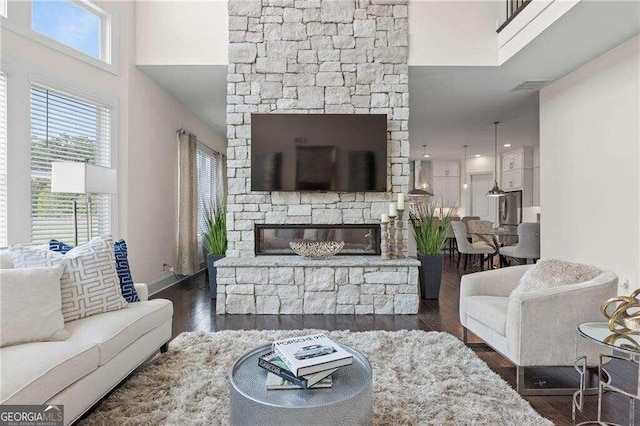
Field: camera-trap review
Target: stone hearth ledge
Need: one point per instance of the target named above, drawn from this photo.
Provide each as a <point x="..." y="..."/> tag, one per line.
<point x="297" y="285"/>
<point x="292" y="260"/>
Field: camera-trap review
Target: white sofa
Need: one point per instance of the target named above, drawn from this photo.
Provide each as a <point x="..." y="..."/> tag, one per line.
<point x="537" y="328"/>
<point x="101" y="352"/>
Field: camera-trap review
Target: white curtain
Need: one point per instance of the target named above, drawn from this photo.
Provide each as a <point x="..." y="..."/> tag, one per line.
<point x="187" y="204"/>
<point x="220" y="172"/>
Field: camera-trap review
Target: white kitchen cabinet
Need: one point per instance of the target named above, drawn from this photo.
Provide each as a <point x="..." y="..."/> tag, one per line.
<point x="512" y="161"/>
<point x="446" y="190"/>
<point x="512" y="180"/>
<point x="521" y="158"/>
<point x="445" y="168"/>
<point x="517" y="173"/>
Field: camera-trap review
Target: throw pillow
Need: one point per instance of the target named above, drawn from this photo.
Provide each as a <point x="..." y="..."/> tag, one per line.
<point x="31" y="305"/>
<point x="89" y="284"/>
<point x="122" y="266"/>
<point x="553" y="273"/>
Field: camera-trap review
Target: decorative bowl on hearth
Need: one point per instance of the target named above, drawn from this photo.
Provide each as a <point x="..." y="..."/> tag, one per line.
<point x="316" y="249"/>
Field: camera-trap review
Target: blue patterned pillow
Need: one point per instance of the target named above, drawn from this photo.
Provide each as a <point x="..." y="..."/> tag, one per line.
<point x="59" y="246"/>
<point x="124" y="273"/>
<point x="122" y="266"/>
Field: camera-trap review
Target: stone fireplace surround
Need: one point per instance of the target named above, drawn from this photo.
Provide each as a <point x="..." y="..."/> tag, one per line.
<point x="314" y="57"/>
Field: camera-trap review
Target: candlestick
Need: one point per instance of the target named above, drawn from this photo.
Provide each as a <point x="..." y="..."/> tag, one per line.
<point x="393" y="210"/>
<point x="400" y="235"/>
<point x="400" y="201"/>
<point x="392" y="237"/>
<point x="384" y="218"/>
<point x="384" y="240"/>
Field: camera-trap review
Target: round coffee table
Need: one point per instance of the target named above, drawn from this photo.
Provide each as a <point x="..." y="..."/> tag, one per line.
<point x="348" y="402"/>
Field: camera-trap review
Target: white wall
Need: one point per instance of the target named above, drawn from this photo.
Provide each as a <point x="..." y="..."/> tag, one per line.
<point x="589" y="159"/>
<point x="183" y="32"/>
<point x="152" y="213"/>
<point x="146" y="121"/>
<point x="453" y="32"/>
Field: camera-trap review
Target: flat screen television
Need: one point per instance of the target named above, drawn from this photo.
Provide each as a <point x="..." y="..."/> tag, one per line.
<point x="319" y="152"/>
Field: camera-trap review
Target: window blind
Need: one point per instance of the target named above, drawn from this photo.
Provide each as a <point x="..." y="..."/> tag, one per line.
<point x="207" y="169"/>
<point x="3" y="159"/>
<point x="66" y="128"/>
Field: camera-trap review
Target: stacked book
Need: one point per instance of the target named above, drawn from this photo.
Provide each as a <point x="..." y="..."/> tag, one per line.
<point x="305" y="362"/>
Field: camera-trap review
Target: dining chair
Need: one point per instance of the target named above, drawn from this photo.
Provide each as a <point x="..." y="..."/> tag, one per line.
<point x="466" y="220"/>
<point x="528" y="246"/>
<point x="479" y="227"/>
<point x="481" y="249"/>
<point x="450" y="243"/>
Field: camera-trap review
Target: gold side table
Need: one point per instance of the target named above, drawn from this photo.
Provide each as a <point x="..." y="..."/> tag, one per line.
<point x="627" y="347"/>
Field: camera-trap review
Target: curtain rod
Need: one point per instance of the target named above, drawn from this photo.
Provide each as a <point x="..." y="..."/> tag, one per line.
<point x="182" y="130"/>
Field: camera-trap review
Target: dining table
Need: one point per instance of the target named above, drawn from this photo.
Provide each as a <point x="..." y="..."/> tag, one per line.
<point x="493" y="237"/>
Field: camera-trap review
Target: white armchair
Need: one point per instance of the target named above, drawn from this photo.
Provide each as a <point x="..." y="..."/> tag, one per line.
<point x="537" y="328"/>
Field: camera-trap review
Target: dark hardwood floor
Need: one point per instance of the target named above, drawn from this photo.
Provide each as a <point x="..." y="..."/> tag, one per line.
<point x="195" y="311"/>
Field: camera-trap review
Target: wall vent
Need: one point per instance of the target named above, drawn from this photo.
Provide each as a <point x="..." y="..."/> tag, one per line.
<point x="530" y="85"/>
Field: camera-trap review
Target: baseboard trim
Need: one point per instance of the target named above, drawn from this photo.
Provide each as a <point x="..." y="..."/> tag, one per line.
<point x="169" y="281"/>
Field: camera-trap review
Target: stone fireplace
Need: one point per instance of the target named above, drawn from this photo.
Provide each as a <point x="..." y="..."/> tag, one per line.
<point x="314" y="57"/>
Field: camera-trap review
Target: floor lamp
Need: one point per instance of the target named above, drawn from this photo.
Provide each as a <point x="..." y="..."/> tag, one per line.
<point x="82" y="178"/>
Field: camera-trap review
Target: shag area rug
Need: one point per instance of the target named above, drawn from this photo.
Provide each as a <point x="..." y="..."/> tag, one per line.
<point x="420" y="378"/>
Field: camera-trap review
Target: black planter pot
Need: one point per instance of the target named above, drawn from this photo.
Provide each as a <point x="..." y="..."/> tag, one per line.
<point x="213" y="284"/>
<point x="430" y="274"/>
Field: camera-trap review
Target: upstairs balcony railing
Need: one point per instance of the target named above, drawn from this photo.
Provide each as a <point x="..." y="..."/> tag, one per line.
<point x="513" y="8"/>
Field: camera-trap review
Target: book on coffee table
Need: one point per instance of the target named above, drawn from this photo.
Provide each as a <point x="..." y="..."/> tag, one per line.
<point x="311" y="354"/>
<point x="274" y="365"/>
<point x="278" y="383"/>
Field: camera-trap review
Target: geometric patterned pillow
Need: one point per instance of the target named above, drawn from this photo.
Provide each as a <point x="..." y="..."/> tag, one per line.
<point x="127" y="288"/>
<point x="89" y="284"/>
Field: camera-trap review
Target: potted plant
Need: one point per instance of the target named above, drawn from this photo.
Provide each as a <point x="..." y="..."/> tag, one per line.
<point x="214" y="240"/>
<point x="430" y="224"/>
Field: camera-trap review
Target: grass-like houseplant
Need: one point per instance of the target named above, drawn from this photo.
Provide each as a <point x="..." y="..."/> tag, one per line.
<point x="430" y="224"/>
<point x="214" y="239"/>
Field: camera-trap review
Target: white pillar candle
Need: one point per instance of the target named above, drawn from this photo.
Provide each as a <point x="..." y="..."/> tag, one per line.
<point x="393" y="210"/>
<point x="384" y="218"/>
<point x="400" y="201"/>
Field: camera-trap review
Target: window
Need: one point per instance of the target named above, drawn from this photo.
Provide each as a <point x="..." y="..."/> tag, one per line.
<point x="207" y="168"/>
<point x="66" y="128"/>
<point x="75" y="23"/>
<point x="3" y="159"/>
<point x="77" y="28"/>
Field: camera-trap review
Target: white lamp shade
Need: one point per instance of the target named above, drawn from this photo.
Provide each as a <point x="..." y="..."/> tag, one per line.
<point x="82" y="178"/>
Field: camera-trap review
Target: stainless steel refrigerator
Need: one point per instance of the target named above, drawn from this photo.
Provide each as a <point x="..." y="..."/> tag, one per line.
<point x="510" y="209"/>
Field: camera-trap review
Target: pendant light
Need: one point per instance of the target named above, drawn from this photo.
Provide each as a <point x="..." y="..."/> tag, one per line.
<point x="424" y="151"/>
<point x="465" y="167"/>
<point x="496" y="191"/>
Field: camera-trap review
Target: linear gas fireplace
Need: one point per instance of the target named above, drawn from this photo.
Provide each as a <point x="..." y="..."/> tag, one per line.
<point x="358" y="239"/>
